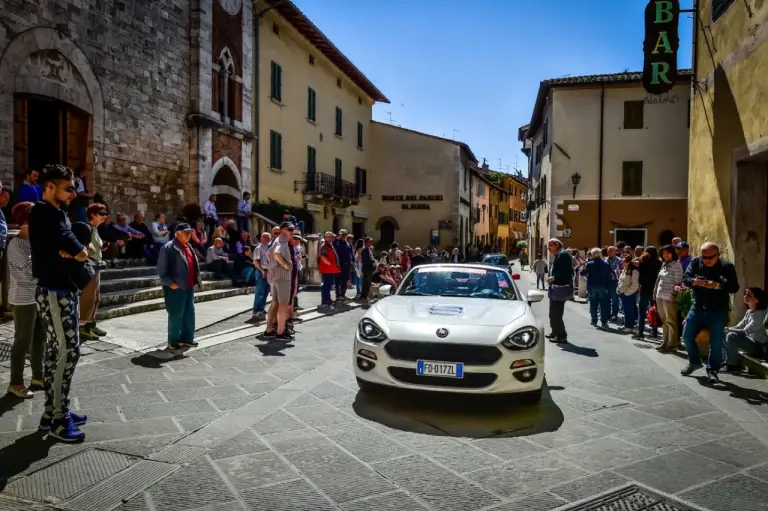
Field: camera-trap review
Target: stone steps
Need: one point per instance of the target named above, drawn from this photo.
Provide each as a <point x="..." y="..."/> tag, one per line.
<point x="150" y="293"/>
<point x="116" y="311"/>
<point x="128" y="272"/>
<point x="132" y="283"/>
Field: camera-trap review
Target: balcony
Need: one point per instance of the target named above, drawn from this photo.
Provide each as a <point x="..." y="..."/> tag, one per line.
<point x="318" y="185"/>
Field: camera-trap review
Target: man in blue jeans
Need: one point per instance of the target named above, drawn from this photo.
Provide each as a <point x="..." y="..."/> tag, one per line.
<point x="712" y="280"/>
<point x="261" y="261"/>
<point x="598" y="274"/>
<point x="179" y="273"/>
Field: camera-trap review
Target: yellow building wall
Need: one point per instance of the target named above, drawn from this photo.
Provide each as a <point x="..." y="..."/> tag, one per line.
<point x="729" y="110"/>
<point x="291" y="51"/>
<point x="480" y="229"/>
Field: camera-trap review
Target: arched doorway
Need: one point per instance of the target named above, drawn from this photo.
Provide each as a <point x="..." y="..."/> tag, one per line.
<point x="51" y="96"/>
<point x="226" y="185"/>
<point x="665" y="238"/>
<point x="386" y="226"/>
<point x="335" y="226"/>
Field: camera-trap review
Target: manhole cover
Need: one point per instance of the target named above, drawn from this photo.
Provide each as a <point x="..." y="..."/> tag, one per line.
<point x="632" y="498"/>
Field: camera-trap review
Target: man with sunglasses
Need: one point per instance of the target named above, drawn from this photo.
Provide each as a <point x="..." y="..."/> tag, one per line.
<point x="279" y="276"/>
<point x="58" y="265"/>
<point x="712" y="279"/>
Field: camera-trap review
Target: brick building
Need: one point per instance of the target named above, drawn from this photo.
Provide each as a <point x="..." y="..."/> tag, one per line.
<point x="153" y="99"/>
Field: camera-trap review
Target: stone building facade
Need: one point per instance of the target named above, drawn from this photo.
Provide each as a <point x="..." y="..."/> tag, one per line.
<point x="131" y="92"/>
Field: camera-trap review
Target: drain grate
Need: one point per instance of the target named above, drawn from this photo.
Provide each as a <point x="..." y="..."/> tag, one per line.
<point x="5" y="350"/>
<point x="632" y="498"/>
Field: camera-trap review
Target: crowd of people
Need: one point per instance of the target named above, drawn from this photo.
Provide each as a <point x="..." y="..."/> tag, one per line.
<point x="637" y="287"/>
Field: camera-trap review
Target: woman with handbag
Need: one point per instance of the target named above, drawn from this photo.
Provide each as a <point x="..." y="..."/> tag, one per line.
<point x="560" y="289"/>
<point x="88" y="232"/>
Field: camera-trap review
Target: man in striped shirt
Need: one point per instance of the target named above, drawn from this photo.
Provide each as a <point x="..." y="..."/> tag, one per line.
<point x="279" y="278"/>
<point x="262" y="263"/>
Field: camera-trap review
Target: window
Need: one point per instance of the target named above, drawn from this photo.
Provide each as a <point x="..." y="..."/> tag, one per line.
<point x="311" y="160"/>
<point x="632" y="178"/>
<point x="275" y="150"/>
<point x="361" y="181"/>
<point x="338" y="83"/>
<point x="480" y="189"/>
<point x="359" y="100"/>
<point x="719" y="7"/>
<point x="359" y="135"/>
<point x="338" y="171"/>
<point x="545" y="135"/>
<point x="311" y="104"/>
<point x="276" y="29"/>
<point x="633" y="115"/>
<point x="276" y="88"/>
<point x="338" y="122"/>
<point x="311" y="60"/>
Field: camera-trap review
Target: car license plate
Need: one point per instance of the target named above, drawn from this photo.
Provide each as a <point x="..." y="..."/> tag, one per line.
<point x="444" y="369"/>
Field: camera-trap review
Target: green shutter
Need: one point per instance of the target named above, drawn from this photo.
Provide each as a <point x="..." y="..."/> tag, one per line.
<point x="311" y="104"/>
<point x="276" y="86"/>
<point x="311" y="160"/>
<point x="338" y="168"/>
<point x="338" y="122"/>
<point x="360" y="135"/>
<point x="275" y="150"/>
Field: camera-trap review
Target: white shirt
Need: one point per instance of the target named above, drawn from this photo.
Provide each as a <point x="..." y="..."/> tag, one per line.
<point x="210" y="208"/>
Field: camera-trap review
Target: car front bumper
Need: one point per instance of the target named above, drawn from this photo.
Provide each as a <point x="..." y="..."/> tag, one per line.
<point x="374" y="364"/>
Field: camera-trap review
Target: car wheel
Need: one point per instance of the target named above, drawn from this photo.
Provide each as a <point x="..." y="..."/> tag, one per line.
<point x="532" y="397"/>
<point x="367" y="387"/>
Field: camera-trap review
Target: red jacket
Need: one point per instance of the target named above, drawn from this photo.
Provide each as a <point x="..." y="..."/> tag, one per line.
<point x="332" y="267"/>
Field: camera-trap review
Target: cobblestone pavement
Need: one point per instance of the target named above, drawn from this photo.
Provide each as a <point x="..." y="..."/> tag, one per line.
<point x="245" y="425"/>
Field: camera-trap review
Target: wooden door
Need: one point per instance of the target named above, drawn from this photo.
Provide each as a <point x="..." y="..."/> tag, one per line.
<point x="77" y="138"/>
<point x="20" y="141"/>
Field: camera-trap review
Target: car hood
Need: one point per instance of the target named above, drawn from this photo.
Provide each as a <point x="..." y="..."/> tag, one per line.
<point x="450" y="310"/>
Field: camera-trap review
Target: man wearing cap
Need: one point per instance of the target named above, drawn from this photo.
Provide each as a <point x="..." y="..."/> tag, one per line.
<point x="262" y="289"/>
<point x="344" y="251"/>
<point x="328" y="265"/>
<point x="683" y="257"/>
<point x="279" y="273"/>
<point x="179" y="273"/>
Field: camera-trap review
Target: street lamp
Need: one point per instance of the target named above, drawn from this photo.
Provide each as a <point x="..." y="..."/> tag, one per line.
<point x="575" y="179"/>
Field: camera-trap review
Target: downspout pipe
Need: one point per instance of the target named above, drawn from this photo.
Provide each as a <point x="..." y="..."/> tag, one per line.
<point x="256" y="101"/>
<point x="600" y="170"/>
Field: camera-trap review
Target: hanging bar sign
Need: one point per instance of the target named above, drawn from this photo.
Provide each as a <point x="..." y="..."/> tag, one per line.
<point x="662" y="18"/>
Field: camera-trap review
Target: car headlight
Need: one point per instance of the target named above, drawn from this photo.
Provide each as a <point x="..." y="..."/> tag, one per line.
<point x="523" y="339"/>
<point x="370" y="331"/>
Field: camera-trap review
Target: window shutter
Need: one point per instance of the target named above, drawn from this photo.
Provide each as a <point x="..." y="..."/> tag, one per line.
<point x="272" y="149"/>
<point x="338" y="121"/>
<point x="358" y="179"/>
<point x="360" y="135"/>
<point x="365" y="182"/>
<point x="279" y="96"/>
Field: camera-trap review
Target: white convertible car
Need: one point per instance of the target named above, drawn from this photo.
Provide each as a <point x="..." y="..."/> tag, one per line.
<point x="452" y="328"/>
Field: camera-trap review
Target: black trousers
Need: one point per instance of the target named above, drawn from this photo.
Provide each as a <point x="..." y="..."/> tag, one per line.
<point x="365" y="290"/>
<point x="556" y="324"/>
<point x="342" y="279"/>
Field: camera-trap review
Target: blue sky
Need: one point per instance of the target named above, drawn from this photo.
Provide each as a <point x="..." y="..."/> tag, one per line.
<point x="475" y="66"/>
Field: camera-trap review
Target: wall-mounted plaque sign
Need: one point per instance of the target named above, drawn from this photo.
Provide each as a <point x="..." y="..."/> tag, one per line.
<point x="405" y="198"/>
<point x="415" y="206"/>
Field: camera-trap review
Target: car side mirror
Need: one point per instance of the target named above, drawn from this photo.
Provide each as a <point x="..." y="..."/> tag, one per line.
<point x="385" y="290"/>
<point x="534" y="296"/>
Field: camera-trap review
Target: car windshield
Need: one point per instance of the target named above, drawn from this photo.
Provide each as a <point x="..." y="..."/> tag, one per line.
<point x="465" y="282"/>
<point x="496" y="260"/>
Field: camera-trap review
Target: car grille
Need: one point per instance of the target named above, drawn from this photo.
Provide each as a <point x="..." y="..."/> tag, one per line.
<point x="470" y="380"/>
<point x="467" y="354"/>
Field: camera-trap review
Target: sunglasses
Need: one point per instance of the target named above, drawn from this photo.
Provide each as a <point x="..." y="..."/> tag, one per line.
<point x="69" y="189"/>
<point x="101" y="213"/>
<point x="709" y="258"/>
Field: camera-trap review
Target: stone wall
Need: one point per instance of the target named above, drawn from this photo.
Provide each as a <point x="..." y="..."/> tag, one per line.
<point x="133" y="58"/>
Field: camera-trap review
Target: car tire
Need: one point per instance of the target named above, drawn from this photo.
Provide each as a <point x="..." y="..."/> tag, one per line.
<point x="532" y="397"/>
<point x="367" y="387"/>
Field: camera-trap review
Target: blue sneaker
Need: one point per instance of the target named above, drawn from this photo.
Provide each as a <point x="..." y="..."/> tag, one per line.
<point x="66" y="430"/>
<point x="47" y="419"/>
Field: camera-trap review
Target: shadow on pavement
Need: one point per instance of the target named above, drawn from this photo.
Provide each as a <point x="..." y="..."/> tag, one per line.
<point x="459" y="415"/>
<point x="273" y="348"/>
<point x="752" y="396"/>
<point x="579" y="350"/>
<point x="9" y="402"/>
<point x="22" y="453"/>
<point x="155" y="359"/>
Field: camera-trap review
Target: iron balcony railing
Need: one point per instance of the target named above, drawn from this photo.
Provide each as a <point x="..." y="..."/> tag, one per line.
<point x="319" y="183"/>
